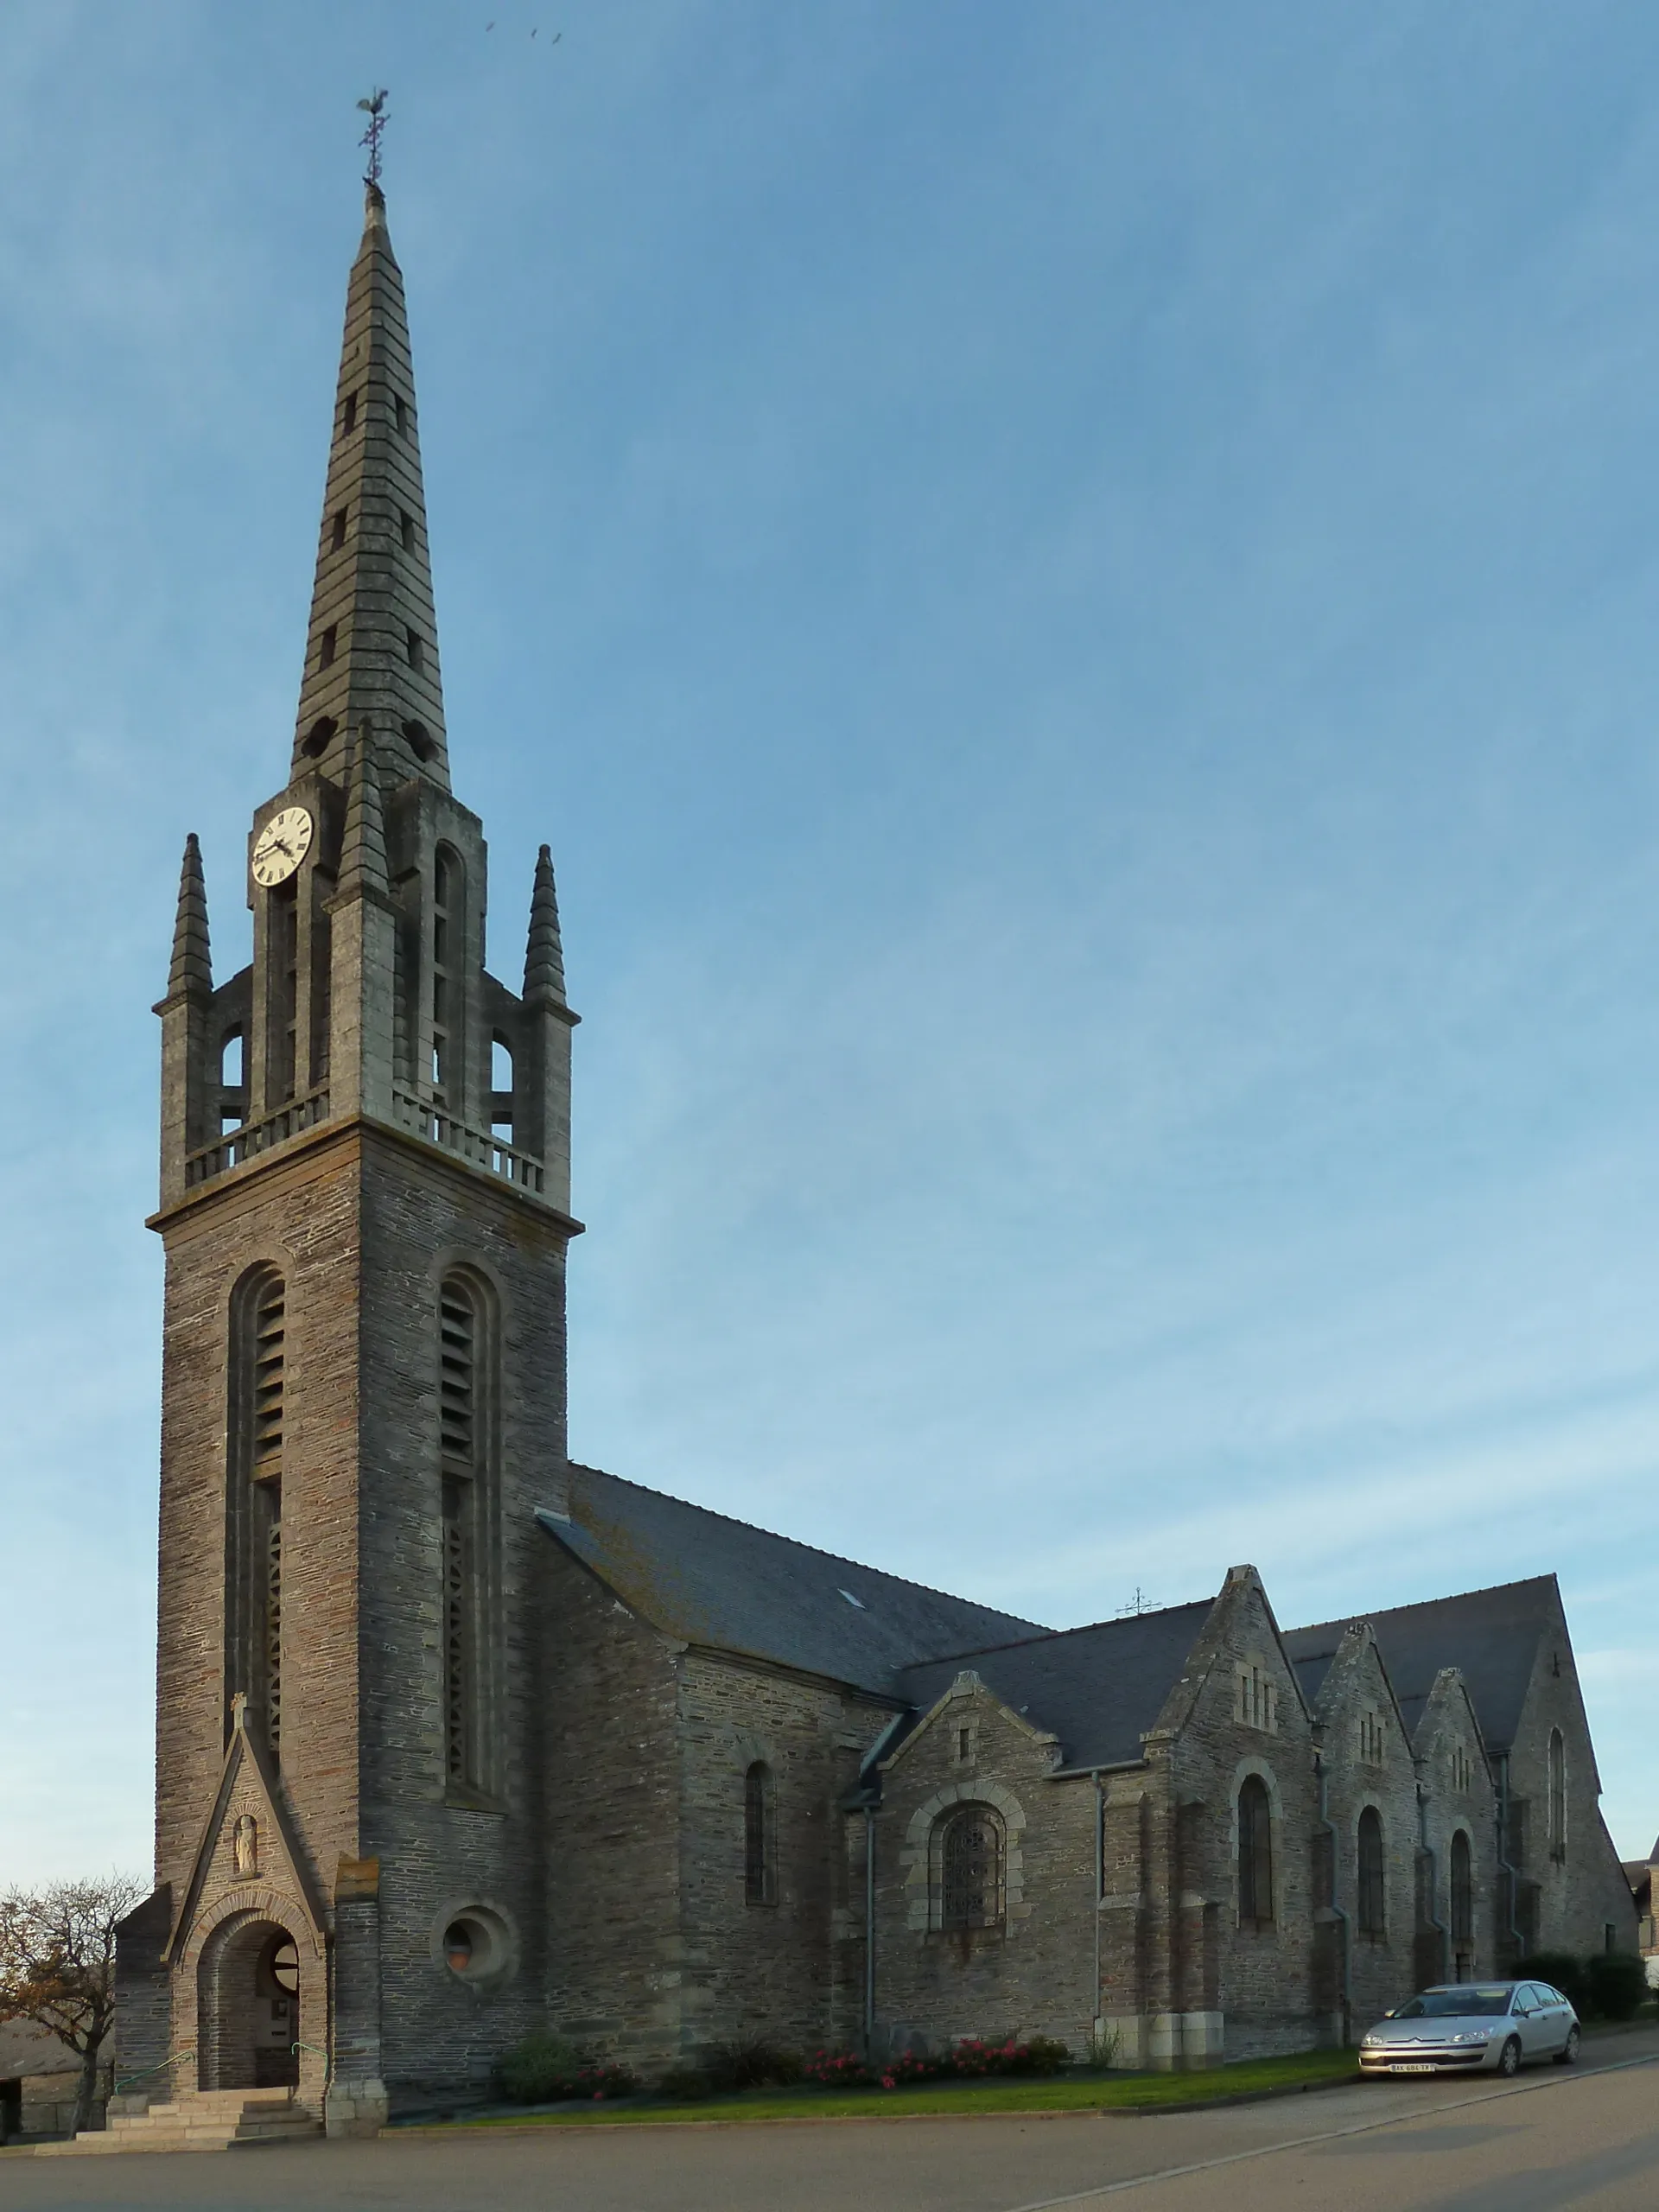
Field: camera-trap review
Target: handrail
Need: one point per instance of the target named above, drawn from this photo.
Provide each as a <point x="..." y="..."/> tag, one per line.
<point x="160" y="2068"/>
<point x="327" y="2057"/>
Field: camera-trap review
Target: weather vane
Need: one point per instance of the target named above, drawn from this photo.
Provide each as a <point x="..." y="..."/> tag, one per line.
<point x="375" y="108"/>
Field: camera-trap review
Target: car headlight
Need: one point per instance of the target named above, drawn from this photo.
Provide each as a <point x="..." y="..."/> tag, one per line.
<point x="1474" y="2035"/>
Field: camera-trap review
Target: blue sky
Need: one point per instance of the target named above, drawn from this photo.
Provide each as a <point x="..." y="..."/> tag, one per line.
<point x="1074" y="589"/>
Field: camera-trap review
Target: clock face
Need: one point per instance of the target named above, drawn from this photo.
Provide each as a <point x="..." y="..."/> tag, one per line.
<point x="283" y="843"/>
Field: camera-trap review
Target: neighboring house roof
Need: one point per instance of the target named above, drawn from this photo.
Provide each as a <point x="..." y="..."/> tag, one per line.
<point x="1099" y="1689"/>
<point x="1490" y="1637"/>
<point x="25" y="2049"/>
<point x="703" y="1579"/>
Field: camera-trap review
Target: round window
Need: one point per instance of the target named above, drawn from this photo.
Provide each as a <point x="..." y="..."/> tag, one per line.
<point x="285" y="1966"/>
<point x="474" y="1945"/>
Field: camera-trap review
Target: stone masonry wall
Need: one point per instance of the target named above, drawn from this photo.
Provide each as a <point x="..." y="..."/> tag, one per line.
<point x="1035" y="1974"/>
<point x="610" y="1810"/>
<point x="765" y="1969"/>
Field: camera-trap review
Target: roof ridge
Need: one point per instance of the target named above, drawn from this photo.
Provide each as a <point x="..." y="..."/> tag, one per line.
<point x="798" y="1544"/>
<point x="1056" y="1635"/>
<point x="1421" y="1604"/>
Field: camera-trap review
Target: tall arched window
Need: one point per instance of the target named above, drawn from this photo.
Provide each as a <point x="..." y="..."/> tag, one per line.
<point x="1557" y="1794"/>
<point x="1254" y="1853"/>
<point x="757" y="1838"/>
<point x="448" y="899"/>
<point x="253" y="1545"/>
<point x="467" y="1457"/>
<point x="971" y="1874"/>
<point x="1463" y="1892"/>
<point x="1373" y="1899"/>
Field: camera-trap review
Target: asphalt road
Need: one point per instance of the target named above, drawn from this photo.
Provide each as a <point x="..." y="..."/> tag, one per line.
<point x="1586" y="2139"/>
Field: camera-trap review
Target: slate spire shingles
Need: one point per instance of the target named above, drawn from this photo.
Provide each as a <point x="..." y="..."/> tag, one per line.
<point x="191" y="967"/>
<point x="372" y="649"/>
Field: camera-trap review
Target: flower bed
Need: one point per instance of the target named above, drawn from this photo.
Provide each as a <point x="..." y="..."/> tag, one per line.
<point x="971" y="2060"/>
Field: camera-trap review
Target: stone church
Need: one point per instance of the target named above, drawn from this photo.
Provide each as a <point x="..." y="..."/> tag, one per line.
<point x="456" y="1740"/>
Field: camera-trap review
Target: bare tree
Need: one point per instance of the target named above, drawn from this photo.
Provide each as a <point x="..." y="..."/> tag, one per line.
<point x="57" y="1965"/>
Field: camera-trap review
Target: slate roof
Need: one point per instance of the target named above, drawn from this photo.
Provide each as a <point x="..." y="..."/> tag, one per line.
<point x="25" y="2049"/>
<point x="1098" y="1688"/>
<point x="1490" y="1636"/>
<point x="704" y="1579"/>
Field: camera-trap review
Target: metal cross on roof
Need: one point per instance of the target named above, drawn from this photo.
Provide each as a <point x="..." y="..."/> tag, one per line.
<point x="375" y="108"/>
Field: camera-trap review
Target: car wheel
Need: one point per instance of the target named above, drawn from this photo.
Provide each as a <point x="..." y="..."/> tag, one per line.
<point x="1508" y="2059"/>
<point x="1569" y="2053"/>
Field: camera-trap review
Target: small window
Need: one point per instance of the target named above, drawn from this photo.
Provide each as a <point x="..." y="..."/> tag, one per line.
<point x="406" y="528"/>
<point x="348" y="415"/>
<point x="400" y="414"/>
<point x="337" y="531"/>
<point x="1258" y="1699"/>
<point x="231" y="1075"/>
<point x="326" y="650"/>
<point x="757" y="1835"/>
<point x="317" y="737"/>
<point x="1462" y="1770"/>
<point x="1372" y="1883"/>
<point x="1254" y="1853"/>
<point x="416" y="650"/>
<point x="1370" y="1739"/>
<point x="965" y="1747"/>
<point x="419" y="740"/>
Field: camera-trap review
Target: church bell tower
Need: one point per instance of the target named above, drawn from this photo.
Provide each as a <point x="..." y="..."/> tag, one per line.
<point x="364" y="1194"/>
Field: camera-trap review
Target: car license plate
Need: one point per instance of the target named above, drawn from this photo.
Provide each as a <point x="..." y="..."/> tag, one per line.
<point x="1411" y="2066"/>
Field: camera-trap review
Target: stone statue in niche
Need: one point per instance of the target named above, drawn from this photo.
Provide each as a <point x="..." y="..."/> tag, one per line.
<point x="246" y="1844"/>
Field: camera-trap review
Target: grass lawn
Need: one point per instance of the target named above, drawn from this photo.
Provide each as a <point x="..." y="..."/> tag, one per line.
<point x="1062" y="2093"/>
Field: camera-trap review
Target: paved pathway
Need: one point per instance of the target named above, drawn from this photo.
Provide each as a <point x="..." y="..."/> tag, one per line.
<point x="1584" y="2141"/>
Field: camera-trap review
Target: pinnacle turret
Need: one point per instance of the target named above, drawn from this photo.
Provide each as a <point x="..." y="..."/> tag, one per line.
<point x="544" y="954"/>
<point x="363" y="849"/>
<point x="191" y="967"/>
<point x="372" y="649"/>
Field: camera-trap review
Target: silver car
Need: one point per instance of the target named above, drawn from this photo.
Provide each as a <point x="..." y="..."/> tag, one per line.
<point x="1499" y="2026"/>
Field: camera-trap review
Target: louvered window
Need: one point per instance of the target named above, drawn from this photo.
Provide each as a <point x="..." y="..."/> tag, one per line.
<point x="253" y="1550"/>
<point x="971" y="1869"/>
<point x="466" y="1450"/>
<point x="457" y="1326"/>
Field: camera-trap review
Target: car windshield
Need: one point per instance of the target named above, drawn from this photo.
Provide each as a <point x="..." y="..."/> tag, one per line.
<point x="1476" y="2003"/>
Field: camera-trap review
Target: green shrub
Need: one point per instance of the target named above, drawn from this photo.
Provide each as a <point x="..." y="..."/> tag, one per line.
<point x="544" y="2069"/>
<point x="751" y="2063"/>
<point x="1618" y="1984"/>
<point x="1563" y="1972"/>
<point x="685" y="2085"/>
<point x="537" y="2071"/>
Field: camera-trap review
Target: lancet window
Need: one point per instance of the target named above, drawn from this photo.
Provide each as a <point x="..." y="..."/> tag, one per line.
<point x="1373" y="1899"/>
<point x="971" y="1869"/>
<point x="758" y="1840"/>
<point x="1254" y="1853"/>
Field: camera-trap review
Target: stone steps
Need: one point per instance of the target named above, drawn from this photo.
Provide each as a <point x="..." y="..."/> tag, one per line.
<point x="201" y="2119"/>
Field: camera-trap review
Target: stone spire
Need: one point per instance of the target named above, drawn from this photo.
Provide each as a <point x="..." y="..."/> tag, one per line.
<point x="371" y="649"/>
<point x="363" y="849"/>
<point x="192" y="968"/>
<point x="544" y="954"/>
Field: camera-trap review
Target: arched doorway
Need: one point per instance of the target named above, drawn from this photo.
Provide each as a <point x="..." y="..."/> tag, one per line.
<point x="249" y="2000"/>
